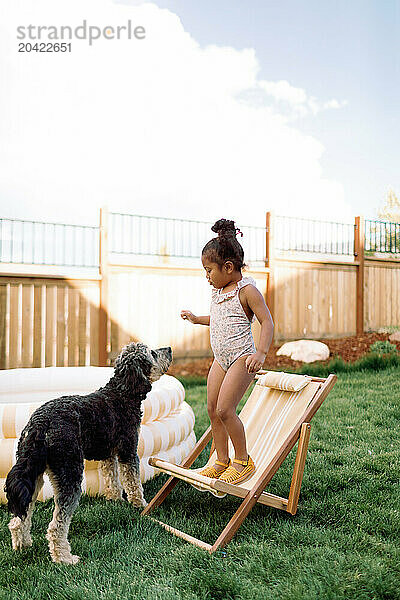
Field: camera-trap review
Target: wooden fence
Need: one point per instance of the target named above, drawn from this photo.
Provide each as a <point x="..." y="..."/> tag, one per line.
<point x="47" y="321"/>
<point x="66" y="321"/>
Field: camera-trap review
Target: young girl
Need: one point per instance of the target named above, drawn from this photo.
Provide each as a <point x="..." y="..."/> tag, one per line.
<point x="234" y="302"/>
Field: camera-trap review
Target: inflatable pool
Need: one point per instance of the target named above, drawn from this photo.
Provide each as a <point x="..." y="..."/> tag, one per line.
<point x="167" y="423"/>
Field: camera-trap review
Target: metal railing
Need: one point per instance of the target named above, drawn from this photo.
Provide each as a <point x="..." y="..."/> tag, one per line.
<point x="178" y="238"/>
<point x="41" y="243"/>
<point x="382" y="237"/>
<point x="307" y="235"/>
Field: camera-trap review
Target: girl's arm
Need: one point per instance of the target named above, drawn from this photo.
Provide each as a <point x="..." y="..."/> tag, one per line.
<point x="256" y="303"/>
<point x="189" y="316"/>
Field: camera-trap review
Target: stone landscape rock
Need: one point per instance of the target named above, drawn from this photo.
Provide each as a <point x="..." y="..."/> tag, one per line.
<point x="304" y="350"/>
<point x="395" y="337"/>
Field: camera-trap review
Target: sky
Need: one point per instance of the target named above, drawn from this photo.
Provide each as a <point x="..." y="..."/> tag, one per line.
<point x="226" y="108"/>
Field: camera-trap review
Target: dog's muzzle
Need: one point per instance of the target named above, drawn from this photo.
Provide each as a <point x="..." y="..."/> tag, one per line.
<point x="167" y="351"/>
<point x="163" y="360"/>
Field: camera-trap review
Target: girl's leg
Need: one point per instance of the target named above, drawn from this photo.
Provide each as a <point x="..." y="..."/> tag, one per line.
<point x="234" y="385"/>
<point x="215" y="378"/>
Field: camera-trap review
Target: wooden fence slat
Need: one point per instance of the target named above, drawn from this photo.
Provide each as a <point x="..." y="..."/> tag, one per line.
<point x="387" y="287"/>
<point x="61" y="325"/>
<point x="293" y="289"/>
<point x="51" y="325"/>
<point x="37" y="326"/>
<point x="13" y="337"/>
<point x="3" y="325"/>
<point x="315" y="302"/>
<point x="370" y="296"/>
<point x="87" y="334"/>
<point x="331" y="299"/>
<point x="82" y="330"/>
<point x="340" y="300"/>
<point x="395" y="297"/>
<point x="307" y="283"/>
<point x="323" y="311"/>
<point x="94" y="335"/>
<point x="377" y="276"/>
<point x="72" y="327"/>
<point x="300" y="305"/>
<point x="27" y="325"/>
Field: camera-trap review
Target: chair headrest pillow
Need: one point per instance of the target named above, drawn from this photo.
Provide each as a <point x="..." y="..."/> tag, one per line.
<point x="284" y="381"/>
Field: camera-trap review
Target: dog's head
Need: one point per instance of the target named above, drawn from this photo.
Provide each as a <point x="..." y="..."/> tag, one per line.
<point x="138" y="366"/>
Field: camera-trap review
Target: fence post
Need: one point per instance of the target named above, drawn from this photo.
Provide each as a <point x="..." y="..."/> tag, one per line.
<point x="103" y="308"/>
<point x="359" y="244"/>
<point x="269" y="261"/>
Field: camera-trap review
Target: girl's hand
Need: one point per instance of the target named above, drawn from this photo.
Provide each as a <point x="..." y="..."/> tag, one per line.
<point x="188" y="316"/>
<point x="254" y="362"/>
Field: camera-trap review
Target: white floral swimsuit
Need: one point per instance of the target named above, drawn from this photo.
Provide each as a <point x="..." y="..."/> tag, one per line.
<point x="230" y="328"/>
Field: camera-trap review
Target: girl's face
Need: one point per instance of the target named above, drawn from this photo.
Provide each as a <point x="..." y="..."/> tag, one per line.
<point x="216" y="275"/>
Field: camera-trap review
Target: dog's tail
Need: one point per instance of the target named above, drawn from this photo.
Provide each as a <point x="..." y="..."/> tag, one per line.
<point x="21" y="480"/>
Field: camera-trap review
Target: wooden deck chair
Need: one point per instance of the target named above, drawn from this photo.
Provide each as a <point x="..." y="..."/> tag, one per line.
<point x="276" y="415"/>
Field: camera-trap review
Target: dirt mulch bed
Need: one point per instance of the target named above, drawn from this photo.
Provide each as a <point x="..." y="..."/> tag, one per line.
<point x="349" y="348"/>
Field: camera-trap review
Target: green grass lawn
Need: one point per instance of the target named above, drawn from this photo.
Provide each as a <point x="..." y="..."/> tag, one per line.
<point x="344" y="541"/>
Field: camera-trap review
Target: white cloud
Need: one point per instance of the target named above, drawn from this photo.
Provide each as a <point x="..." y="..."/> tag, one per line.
<point x="296" y="99"/>
<point x="282" y="90"/>
<point x="335" y="103"/>
<point x="156" y="126"/>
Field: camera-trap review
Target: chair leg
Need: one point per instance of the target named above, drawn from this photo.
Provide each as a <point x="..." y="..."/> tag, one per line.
<point x="234" y="524"/>
<point x="172" y="481"/>
<point x="161" y="495"/>
<point x="184" y="536"/>
<point x="298" y="470"/>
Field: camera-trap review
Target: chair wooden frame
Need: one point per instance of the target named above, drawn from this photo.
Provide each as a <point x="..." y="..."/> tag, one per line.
<point x="300" y="433"/>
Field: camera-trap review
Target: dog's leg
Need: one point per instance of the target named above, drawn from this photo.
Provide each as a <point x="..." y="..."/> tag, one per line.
<point x="130" y="478"/>
<point x="66" y="499"/>
<point x="113" y="488"/>
<point x="20" y="529"/>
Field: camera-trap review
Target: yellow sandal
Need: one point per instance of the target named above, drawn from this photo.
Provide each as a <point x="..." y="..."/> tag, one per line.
<point x="212" y="471"/>
<point x="232" y="475"/>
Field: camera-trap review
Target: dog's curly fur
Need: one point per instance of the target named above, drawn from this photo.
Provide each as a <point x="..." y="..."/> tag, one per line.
<point x="63" y="432"/>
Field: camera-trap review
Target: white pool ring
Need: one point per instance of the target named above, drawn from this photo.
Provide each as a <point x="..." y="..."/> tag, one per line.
<point x="93" y="484"/>
<point x="40" y="385"/>
<point x="154" y="438"/>
<point x="166" y="395"/>
<point x="166" y="430"/>
<point x="165" y="433"/>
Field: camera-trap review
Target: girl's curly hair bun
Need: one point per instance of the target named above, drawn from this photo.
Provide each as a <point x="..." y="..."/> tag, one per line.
<point x="225" y="228"/>
<point x="226" y="246"/>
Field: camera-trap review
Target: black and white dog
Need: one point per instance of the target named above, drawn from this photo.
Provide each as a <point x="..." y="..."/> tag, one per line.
<point x="63" y="432"/>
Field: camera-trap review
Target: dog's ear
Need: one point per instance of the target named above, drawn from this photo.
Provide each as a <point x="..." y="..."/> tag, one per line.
<point x="129" y="376"/>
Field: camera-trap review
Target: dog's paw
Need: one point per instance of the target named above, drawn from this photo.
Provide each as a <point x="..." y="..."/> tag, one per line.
<point x="113" y="495"/>
<point x="17" y="535"/>
<point x="66" y="559"/>
<point x="139" y="502"/>
<point x="17" y="543"/>
<point x="27" y="540"/>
